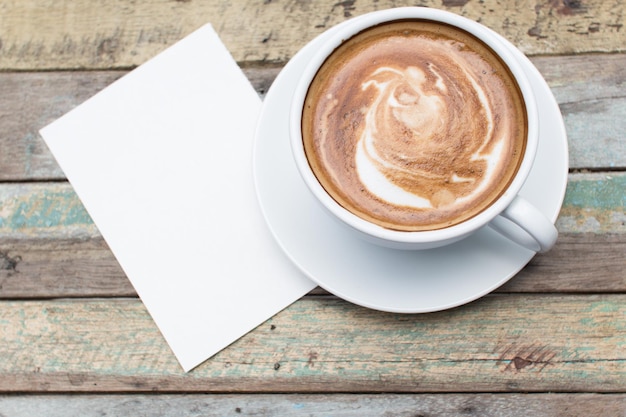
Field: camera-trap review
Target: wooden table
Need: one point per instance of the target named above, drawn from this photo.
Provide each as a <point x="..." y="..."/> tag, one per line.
<point x="550" y="342"/>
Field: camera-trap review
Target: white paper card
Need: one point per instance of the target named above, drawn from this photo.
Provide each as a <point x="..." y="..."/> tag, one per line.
<point x="162" y="161"/>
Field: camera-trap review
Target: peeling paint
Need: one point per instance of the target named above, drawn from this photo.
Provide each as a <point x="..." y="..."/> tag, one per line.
<point x="593" y="203"/>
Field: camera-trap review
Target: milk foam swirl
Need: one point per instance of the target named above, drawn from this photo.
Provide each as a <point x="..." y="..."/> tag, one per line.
<point x="413" y="127"/>
<point x="423" y="115"/>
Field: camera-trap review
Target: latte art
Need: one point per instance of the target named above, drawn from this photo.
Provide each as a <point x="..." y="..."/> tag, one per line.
<point x="414" y="127"/>
<point x="413" y="121"/>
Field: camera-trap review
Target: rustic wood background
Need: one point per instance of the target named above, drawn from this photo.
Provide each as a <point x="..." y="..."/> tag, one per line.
<point x="551" y="342"/>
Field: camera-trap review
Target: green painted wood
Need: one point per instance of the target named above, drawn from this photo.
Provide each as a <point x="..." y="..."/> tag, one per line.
<point x="49" y="247"/>
<point x="117" y="34"/>
<point x="556" y="327"/>
<point x="597" y="191"/>
<point x="303" y="405"/>
<point x="594" y="202"/>
<point x="48" y="207"/>
<point x="496" y="344"/>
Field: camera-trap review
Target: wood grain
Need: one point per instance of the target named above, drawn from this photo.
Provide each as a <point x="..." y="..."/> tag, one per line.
<point x="95" y="34"/>
<point x="76" y="340"/>
<point x="28" y="102"/>
<point x="42" y="268"/>
<point x="50" y="268"/>
<point x="594" y="203"/>
<point x="589" y="89"/>
<point x="496" y="344"/>
<point x="87" y="268"/>
<point x="301" y="405"/>
<point x="49" y="246"/>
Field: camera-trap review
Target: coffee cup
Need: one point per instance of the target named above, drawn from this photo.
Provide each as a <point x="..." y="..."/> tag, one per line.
<point x="415" y="127"/>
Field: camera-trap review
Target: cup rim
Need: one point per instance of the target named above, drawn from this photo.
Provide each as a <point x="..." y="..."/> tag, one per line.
<point x="350" y="28"/>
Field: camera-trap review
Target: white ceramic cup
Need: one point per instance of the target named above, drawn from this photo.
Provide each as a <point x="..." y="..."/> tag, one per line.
<point x="511" y="215"/>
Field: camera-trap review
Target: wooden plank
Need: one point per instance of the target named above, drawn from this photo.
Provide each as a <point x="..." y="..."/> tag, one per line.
<point x="590" y="92"/>
<point x="45" y="268"/>
<point x="41" y="268"/>
<point x="116" y="34"/>
<point x="579" y="263"/>
<point x="296" y="405"/>
<point x="594" y="203"/>
<point x="507" y="343"/>
<point x="49" y="246"/>
<point x="587" y="87"/>
<point x="29" y="101"/>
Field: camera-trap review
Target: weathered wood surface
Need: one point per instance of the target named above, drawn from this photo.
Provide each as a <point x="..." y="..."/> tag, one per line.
<point x="303" y="405"/>
<point x="40" y="268"/>
<point x="49" y="246"/>
<point x="68" y="34"/>
<point x="29" y="101"/>
<point x="556" y="343"/>
<point x="71" y="323"/>
<point x="589" y="89"/>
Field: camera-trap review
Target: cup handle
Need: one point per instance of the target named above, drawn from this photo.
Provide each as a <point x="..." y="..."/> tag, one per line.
<point x="525" y="225"/>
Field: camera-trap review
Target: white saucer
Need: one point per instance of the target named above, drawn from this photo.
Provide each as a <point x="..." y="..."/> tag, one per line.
<point x="387" y="279"/>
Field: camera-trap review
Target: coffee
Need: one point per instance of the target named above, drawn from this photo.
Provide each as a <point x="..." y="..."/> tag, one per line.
<point x="414" y="125"/>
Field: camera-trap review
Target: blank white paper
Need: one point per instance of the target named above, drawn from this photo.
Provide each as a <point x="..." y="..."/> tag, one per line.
<point x="162" y="161"/>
